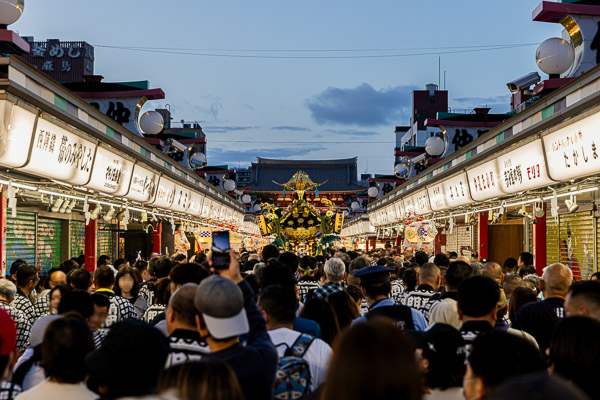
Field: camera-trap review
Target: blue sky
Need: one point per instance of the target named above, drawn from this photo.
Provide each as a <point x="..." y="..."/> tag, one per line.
<point x="307" y="108"/>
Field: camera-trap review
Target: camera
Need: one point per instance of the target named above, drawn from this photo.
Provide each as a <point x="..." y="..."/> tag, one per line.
<point x="177" y="146"/>
<point x="523" y="82"/>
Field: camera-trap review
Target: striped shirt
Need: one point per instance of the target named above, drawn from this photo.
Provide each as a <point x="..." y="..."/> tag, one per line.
<point x="186" y="345"/>
<point x="397" y="290"/>
<point x="98" y="338"/>
<point x="304" y="287"/>
<point x="120" y="309"/>
<point x="418" y="297"/>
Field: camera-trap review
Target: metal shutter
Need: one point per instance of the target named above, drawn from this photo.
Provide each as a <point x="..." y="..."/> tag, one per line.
<point x="77" y="238"/>
<point x="552" y="244"/>
<point x="104" y="243"/>
<point x="20" y="238"/>
<point x="579" y="228"/>
<point x="49" y="245"/>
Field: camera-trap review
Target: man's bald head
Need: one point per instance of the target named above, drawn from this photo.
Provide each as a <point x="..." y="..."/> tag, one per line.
<point x="494" y="271"/>
<point x="464" y="259"/>
<point x="556" y="280"/>
<point x="58" y="277"/>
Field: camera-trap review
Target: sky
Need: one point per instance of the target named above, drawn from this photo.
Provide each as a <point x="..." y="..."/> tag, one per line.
<point x="265" y="78"/>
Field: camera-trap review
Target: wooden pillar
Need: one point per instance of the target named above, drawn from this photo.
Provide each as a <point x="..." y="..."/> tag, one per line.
<point x="156" y="240"/>
<point x="539" y="243"/>
<point x="91" y="244"/>
<point x="437" y="243"/>
<point x="483" y="235"/>
<point x="3" y="217"/>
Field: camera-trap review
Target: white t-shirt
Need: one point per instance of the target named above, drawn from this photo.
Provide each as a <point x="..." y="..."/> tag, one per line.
<point x="63" y="391"/>
<point x="317" y="356"/>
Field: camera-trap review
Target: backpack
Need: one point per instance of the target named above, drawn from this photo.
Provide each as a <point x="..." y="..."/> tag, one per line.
<point x="292" y="379"/>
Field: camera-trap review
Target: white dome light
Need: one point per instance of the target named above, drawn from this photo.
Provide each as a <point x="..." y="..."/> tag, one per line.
<point x="555" y="56"/>
<point x="246" y="198"/>
<point x="152" y="123"/>
<point x="373" y="191"/>
<point x="434" y="146"/>
<point x="355" y="205"/>
<point x="11" y="11"/>
<point x="402" y="170"/>
<point x="257" y="207"/>
<point x="229" y="185"/>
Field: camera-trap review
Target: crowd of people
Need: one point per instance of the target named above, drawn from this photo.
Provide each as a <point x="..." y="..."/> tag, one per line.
<point x="384" y="324"/>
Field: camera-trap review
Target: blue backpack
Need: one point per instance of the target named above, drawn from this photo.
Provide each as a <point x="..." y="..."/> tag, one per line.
<point x="292" y="379"/>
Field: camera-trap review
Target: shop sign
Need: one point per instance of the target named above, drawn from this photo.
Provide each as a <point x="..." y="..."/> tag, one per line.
<point x="207" y="208"/>
<point x="456" y="191"/>
<point x="15" y="136"/>
<point x="523" y="168"/>
<point x="111" y="173"/>
<point x="409" y="207"/>
<point x="421" y="203"/>
<point x="59" y="154"/>
<point x="392" y="213"/>
<point x="574" y="151"/>
<point x="436" y="197"/>
<point x="484" y="181"/>
<point x="165" y="193"/>
<point x="181" y="201"/>
<point x="143" y="184"/>
<point x="195" y="204"/>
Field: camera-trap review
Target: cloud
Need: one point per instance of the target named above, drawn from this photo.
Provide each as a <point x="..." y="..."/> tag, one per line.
<point x="362" y="105"/>
<point x="235" y="158"/>
<point x="498" y="104"/>
<point x="290" y="128"/>
<point x="225" y="129"/>
<point x="351" y="132"/>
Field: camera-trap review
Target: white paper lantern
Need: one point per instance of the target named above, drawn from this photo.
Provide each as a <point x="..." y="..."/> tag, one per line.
<point x="434" y="146"/>
<point x="198" y="160"/>
<point x="257" y="207"/>
<point x="11" y="11"/>
<point x="355" y="205"/>
<point x="402" y="170"/>
<point x="229" y="185"/>
<point x="373" y="191"/>
<point x="246" y="199"/>
<point x="152" y="123"/>
<point x="555" y="56"/>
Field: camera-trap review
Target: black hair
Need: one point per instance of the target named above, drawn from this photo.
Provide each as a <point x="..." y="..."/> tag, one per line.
<point x="453" y="254"/>
<point x="101" y="300"/>
<point x="179" y="257"/>
<point x="189" y="272"/>
<point x="290" y="260"/>
<point x="118" y="262"/>
<point x="135" y="289"/>
<point x="421" y="257"/>
<point x="200" y="258"/>
<point x="354" y="292"/>
<point x="104" y="277"/>
<point x="526" y="257"/>
<point x="279" y="302"/>
<point x="69" y="266"/>
<point x="77" y="300"/>
<point x="162" y="291"/>
<point x="498" y="355"/>
<point x="409" y="277"/>
<point x="277" y="274"/>
<point x="384" y="260"/>
<point x="102" y="260"/>
<point x="575" y="352"/>
<point x="457" y="272"/>
<point x="249" y="265"/>
<point x="358" y="263"/>
<point x="79" y="278"/>
<point x="320" y="311"/>
<point x="446" y="357"/>
<point x="25" y="274"/>
<point x="589" y="290"/>
<point x="376" y="289"/>
<point x="478" y="295"/>
<point x="254" y="283"/>
<point x="510" y="263"/>
<point x="308" y="263"/>
<point x="441" y="260"/>
<point x="141" y="265"/>
<point x="527" y="270"/>
<point x="14" y="267"/>
<point x="160" y="267"/>
<point x="51" y="271"/>
<point x="269" y="251"/>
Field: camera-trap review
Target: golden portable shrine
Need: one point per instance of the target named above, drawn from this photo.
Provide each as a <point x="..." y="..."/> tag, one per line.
<point x="301" y="227"/>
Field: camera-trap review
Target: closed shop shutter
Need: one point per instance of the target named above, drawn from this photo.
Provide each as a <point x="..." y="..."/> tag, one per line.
<point x="571" y="242"/>
<point x="20" y="238"/>
<point x="105" y="243"/>
<point x="460" y="237"/>
<point x="49" y="246"/>
<point x="77" y="238"/>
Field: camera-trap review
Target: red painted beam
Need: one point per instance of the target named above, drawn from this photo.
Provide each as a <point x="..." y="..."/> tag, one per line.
<point x="539" y="243"/>
<point x="483" y="235"/>
<point x="150" y="94"/>
<point x="91" y="244"/>
<point x="156" y="237"/>
<point x="549" y="11"/>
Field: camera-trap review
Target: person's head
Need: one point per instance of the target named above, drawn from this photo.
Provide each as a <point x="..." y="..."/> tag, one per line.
<point x="181" y="312"/>
<point x="511" y="282"/>
<point x="56" y="294"/>
<point x="27" y="277"/>
<point x="278" y="305"/>
<point x="493" y="270"/>
<point x="556" y="280"/>
<point x="409" y="278"/>
<point x="142" y="266"/>
<point x="269" y="251"/>
<point x="335" y="270"/>
<point x="584" y="299"/>
<point x="308" y="266"/>
<point x="495" y="357"/>
<point x="104" y="278"/>
<point x="69" y="266"/>
<point x="536" y="386"/>
<point x="525" y="258"/>
<point x="595" y="276"/>
<point x="408" y="253"/>
<point x="277" y="274"/>
<point x="129" y="341"/>
<point x="532" y="281"/>
<point x="120" y="263"/>
<point x="430" y="275"/>
<point x="344" y="307"/>
<point x="126" y="282"/>
<point x="56" y="277"/>
<point x="14" y="267"/>
<point x="290" y="260"/>
<point x="160" y="267"/>
<point x="441" y="260"/>
<point x="320" y="311"/>
<point x="464" y="259"/>
<point x="527" y="270"/>
<point x="357" y="295"/>
<point x="457" y="272"/>
<point x="442" y="350"/>
<point x="373" y="360"/>
<point x="8" y="290"/>
<point x="76" y="301"/>
<point x="510" y="266"/>
<point x="179" y="258"/>
<point x="205" y="379"/>
<point x="521" y="296"/>
<point x="80" y="279"/>
<point x="66" y="343"/>
<point x="478" y="298"/>
<point x="101" y="306"/>
<point x="421" y="257"/>
<point x="221" y="316"/>
<point x="187" y="272"/>
<point x="574" y="353"/>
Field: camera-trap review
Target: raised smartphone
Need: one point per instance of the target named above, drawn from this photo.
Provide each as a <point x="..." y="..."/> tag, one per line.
<point x="220" y="249"/>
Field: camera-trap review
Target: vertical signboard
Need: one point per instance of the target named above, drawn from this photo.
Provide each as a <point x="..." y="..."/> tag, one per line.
<point x="143" y="184"/>
<point x="111" y="173"/>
